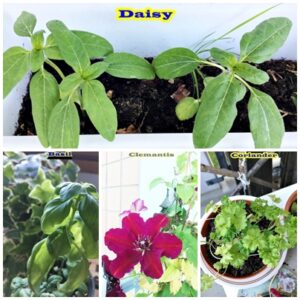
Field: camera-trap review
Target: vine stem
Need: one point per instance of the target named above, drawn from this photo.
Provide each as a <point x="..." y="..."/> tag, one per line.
<point x="55" y="67"/>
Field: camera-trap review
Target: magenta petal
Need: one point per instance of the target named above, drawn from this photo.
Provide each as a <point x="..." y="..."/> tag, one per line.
<point x="169" y="244"/>
<point x="138" y="206"/>
<point x="154" y="224"/>
<point x="124" y="213"/>
<point x="124" y="263"/>
<point x="151" y="265"/>
<point x="118" y="240"/>
<point x="134" y="223"/>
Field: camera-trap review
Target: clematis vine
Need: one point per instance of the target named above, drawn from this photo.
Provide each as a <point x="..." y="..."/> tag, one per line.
<point x="113" y="288"/>
<point x="137" y="206"/>
<point x="140" y="241"/>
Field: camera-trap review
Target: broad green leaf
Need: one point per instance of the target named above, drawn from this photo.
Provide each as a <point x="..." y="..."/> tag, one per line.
<point x="25" y="24"/>
<point x="217" y="110"/>
<point x="44" y="96"/>
<point x="69" y="85"/>
<point x="95" y="70"/>
<point x="70" y="190"/>
<point x="95" y="45"/>
<point x="16" y="63"/>
<point x="37" y="59"/>
<point x="43" y="192"/>
<point x="38" y="266"/>
<point x="266" y="123"/>
<point x="155" y="182"/>
<point x="70" y="45"/>
<point x="175" y="62"/>
<point x="51" y="50"/>
<point x="185" y="192"/>
<point x="63" y="131"/>
<point x="261" y="43"/>
<point x="125" y="65"/>
<point x="100" y="109"/>
<point x="58" y="243"/>
<point x="89" y="212"/>
<point x="57" y="213"/>
<point x="251" y="73"/>
<point x="8" y="171"/>
<point x="37" y="40"/>
<point x="186" y="108"/>
<point x="224" y="58"/>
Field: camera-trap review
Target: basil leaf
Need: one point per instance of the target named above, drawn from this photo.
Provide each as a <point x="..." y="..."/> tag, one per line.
<point x="51" y="50"/>
<point x="69" y="85"/>
<point x="95" y="45"/>
<point x="100" y="109"/>
<point x="70" y="46"/>
<point x="266" y="123"/>
<point x="261" y="43"/>
<point x="125" y="65"/>
<point x="37" y="40"/>
<point x="70" y="190"/>
<point x="63" y="131"/>
<point x="57" y="213"/>
<point x="95" y="70"/>
<point x="251" y="73"/>
<point x="44" y="96"/>
<point x="89" y="212"/>
<point x="43" y="192"/>
<point x="217" y="110"/>
<point x="25" y="24"/>
<point x="39" y="264"/>
<point x="186" y="108"/>
<point x="58" y="243"/>
<point x="16" y="63"/>
<point x="224" y="58"/>
<point x="175" y="62"/>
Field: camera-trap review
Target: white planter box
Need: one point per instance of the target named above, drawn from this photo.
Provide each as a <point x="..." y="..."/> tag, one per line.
<point x="147" y="38"/>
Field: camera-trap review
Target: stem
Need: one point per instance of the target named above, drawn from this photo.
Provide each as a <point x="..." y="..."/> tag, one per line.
<point x="200" y="73"/>
<point x="209" y="63"/>
<point x="245" y="83"/>
<point x="195" y="84"/>
<point x="55" y="67"/>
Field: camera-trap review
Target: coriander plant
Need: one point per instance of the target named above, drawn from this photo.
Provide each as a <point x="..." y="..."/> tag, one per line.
<point x="54" y="111"/>
<point x="215" y="108"/>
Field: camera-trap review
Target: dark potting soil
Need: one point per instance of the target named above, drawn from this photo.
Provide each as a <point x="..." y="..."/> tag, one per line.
<point x="251" y="265"/>
<point x="149" y="107"/>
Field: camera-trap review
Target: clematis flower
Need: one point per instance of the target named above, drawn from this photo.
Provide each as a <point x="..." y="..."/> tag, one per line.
<point x="136" y="206"/>
<point x="113" y="288"/>
<point x="140" y="241"/>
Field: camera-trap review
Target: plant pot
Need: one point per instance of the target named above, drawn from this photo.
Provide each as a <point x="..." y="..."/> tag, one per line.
<point x="150" y="44"/>
<point x="257" y="278"/>
<point x="290" y="201"/>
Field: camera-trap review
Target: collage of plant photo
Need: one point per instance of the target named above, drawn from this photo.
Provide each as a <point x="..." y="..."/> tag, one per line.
<point x="149" y="149"/>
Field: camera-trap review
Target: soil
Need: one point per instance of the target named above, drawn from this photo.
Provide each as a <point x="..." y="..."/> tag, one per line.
<point x="148" y="106"/>
<point x="251" y="265"/>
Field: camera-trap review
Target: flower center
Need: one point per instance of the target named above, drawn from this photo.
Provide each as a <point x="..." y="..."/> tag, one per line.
<point x="143" y="243"/>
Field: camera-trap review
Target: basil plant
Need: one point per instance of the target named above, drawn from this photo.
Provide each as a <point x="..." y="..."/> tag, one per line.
<point x="215" y="109"/>
<point x="54" y="102"/>
<point x="70" y="226"/>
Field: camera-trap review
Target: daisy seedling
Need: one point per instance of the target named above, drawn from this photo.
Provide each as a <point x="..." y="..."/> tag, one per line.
<point x="55" y="103"/>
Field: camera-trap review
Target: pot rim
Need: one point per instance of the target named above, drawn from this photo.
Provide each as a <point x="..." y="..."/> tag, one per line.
<point x="292" y="198"/>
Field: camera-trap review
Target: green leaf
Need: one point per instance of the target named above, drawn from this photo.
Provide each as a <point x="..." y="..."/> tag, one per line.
<point x="206" y="282"/>
<point x="37" y="59"/>
<point x="37" y="40"/>
<point x="100" y="109"/>
<point x="224" y="58"/>
<point x="125" y="65"/>
<point x="70" y="45"/>
<point x="57" y="213"/>
<point x="16" y="63"/>
<point x="155" y="182"/>
<point x="261" y="43"/>
<point x="217" y="110"/>
<point x="95" y="45"/>
<point x="95" y="70"/>
<point x="51" y="50"/>
<point x="64" y="126"/>
<point x="69" y="190"/>
<point x="69" y="85"/>
<point x="266" y="123"/>
<point x="175" y="62"/>
<point x="185" y="192"/>
<point x="38" y="266"/>
<point x="89" y="212"/>
<point x="251" y="73"/>
<point x="25" y="24"/>
<point x="186" y="108"/>
<point x="58" y="243"/>
<point x="8" y="171"/>
<point x="44" y="96"/>
<point x="43" y="192"/>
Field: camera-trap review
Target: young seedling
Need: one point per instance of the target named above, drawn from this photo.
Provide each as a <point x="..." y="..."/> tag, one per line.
<point x="54" y="104"/>
<point x="215" y="109"/>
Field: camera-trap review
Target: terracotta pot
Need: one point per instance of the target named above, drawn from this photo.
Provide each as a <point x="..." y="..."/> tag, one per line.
<point x="291" y="200"/>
